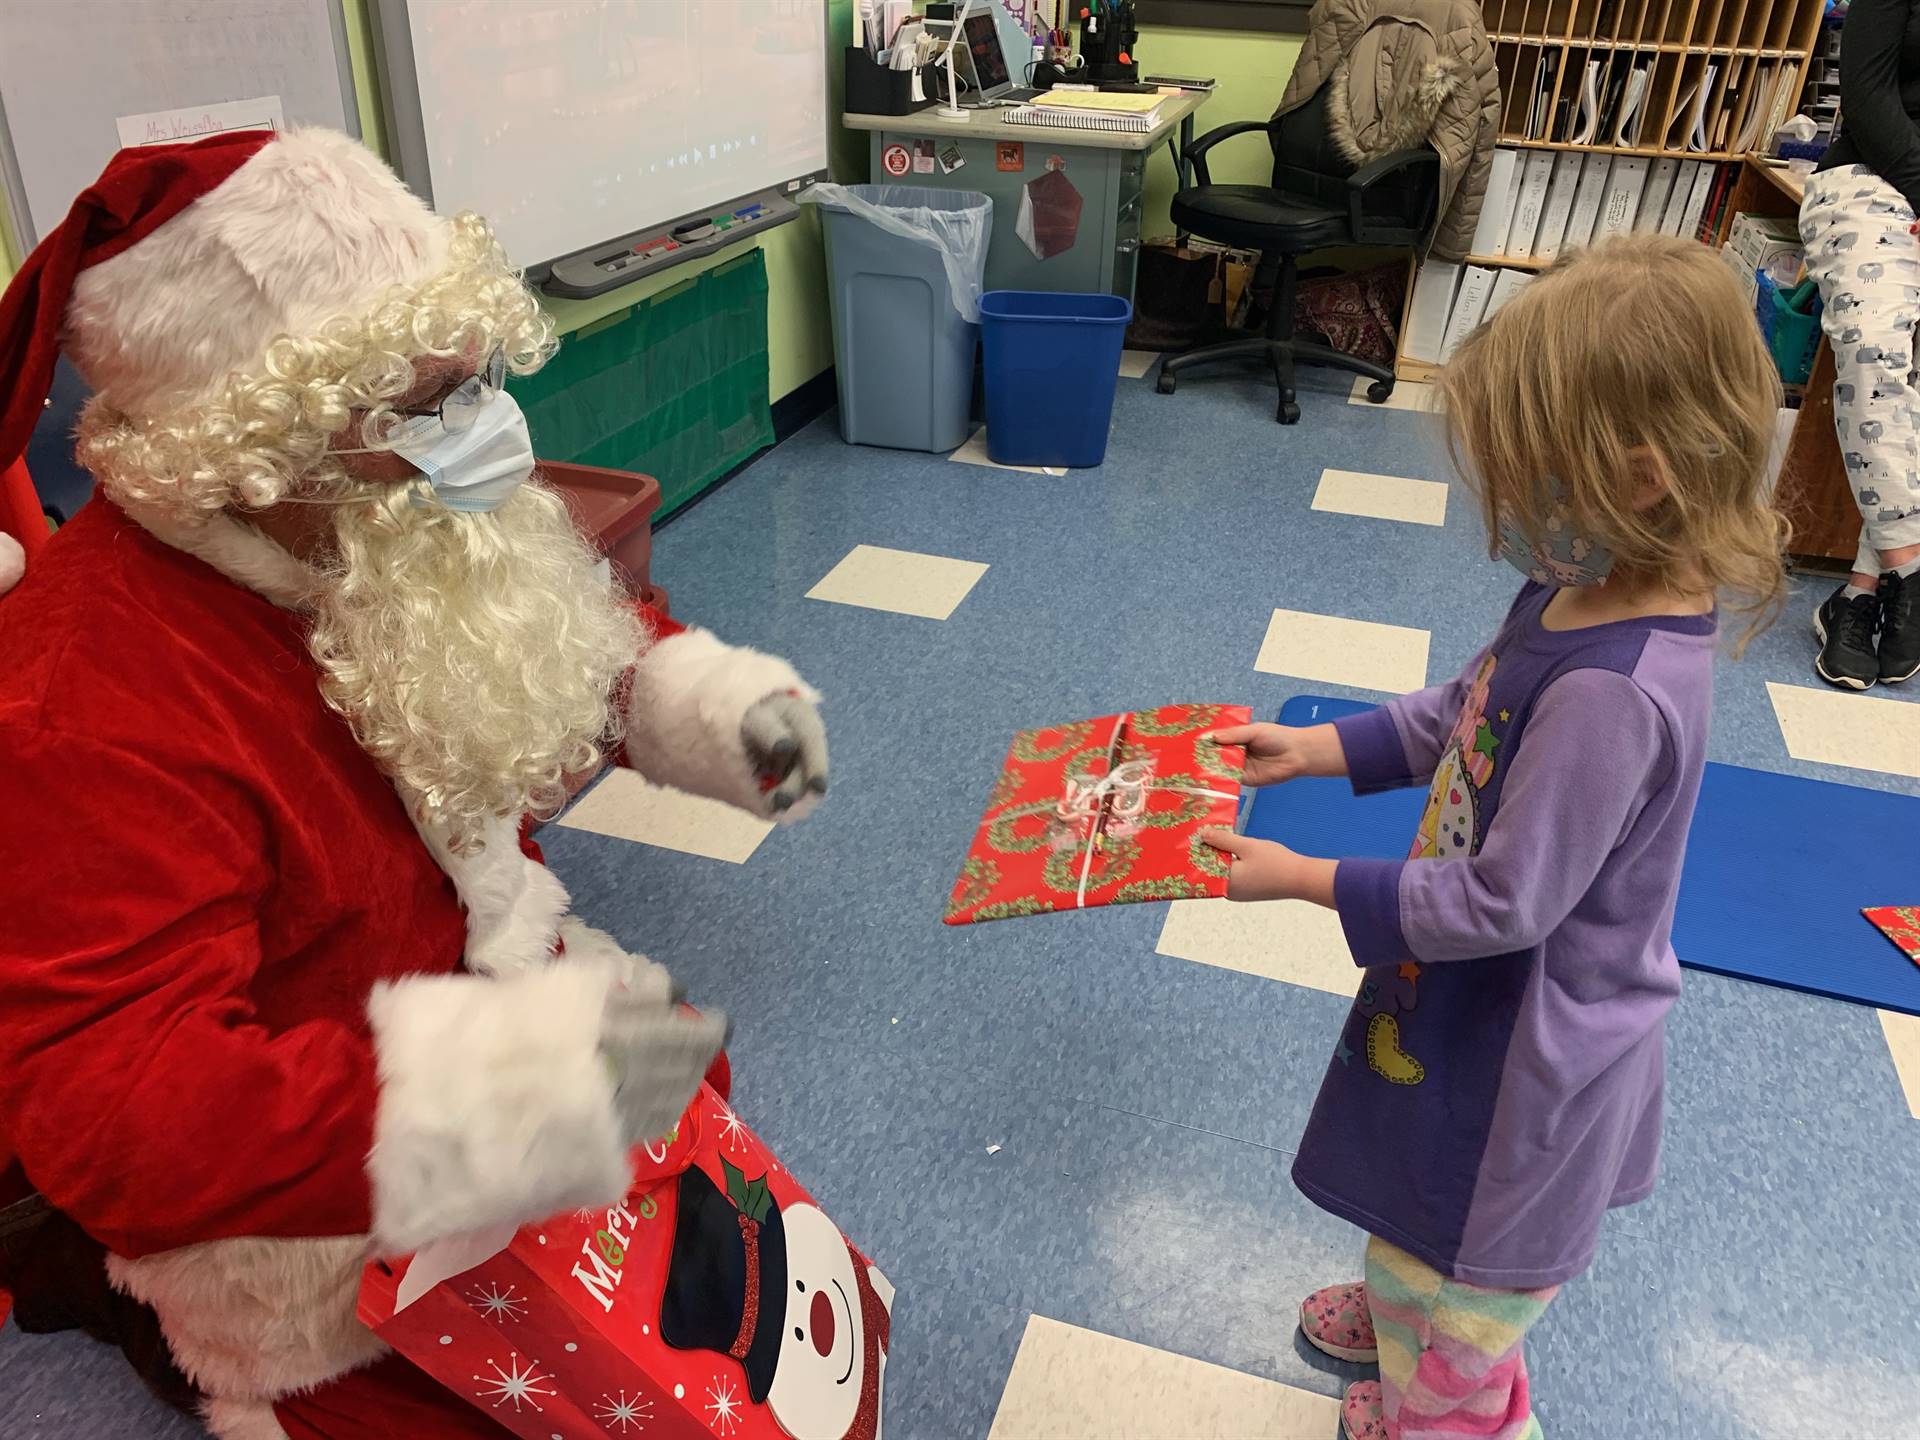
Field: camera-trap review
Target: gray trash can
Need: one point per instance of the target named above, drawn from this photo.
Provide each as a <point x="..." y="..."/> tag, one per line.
<point x="904" y="268"/>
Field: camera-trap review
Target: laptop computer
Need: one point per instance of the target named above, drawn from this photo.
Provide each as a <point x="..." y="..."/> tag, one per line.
<point x="984" y="65"/>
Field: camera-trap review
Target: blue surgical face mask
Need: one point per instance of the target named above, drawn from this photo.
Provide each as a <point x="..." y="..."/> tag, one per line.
<point x="474" y="469"/>
<point x="1563" y="555"/>
<point x="477" y="468"/>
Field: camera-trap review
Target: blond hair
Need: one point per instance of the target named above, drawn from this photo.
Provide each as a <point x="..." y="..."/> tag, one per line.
<point x="1639" y="347"/>
<point x="265" y="434"/>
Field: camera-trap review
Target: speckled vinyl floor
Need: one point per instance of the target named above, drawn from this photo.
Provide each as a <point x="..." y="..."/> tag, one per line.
<point x="1066" y="1139"/>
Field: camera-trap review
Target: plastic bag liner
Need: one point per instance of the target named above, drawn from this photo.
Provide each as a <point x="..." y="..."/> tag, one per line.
<point x="955" y="223"/>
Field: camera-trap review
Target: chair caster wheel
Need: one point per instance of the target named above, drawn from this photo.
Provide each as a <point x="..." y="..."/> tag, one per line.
<point x="1289" y="413"/>
<point x="1380" y="391"/>
<point x="1165" y="384"/>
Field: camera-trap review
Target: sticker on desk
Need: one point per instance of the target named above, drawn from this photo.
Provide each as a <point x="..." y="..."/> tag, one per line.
<point x="1010" y="155"/>
<point x="950" y="159"/>
<point x="895" y="160"/>
<point x="923" y="157"/>
<point x="1049" y="220"/>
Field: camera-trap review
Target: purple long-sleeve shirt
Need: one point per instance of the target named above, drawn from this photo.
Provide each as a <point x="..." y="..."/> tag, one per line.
<point x="1497" y="1084"/>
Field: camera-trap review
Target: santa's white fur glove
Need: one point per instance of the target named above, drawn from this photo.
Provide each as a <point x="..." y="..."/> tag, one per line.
<point x="729" y="723"/>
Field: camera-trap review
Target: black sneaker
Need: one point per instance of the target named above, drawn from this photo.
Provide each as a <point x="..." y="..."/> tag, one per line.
<point x="1845" y="628"/>
<point x="1899" y="627"/>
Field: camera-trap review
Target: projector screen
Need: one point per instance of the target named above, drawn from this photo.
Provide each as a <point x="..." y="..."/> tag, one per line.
<point x="569" y="123"/>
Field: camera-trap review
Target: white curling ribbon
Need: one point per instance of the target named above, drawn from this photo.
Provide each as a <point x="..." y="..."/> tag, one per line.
<point x="1120" y="794"/>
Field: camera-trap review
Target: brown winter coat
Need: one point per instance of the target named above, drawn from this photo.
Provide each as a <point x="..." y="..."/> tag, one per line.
<point x="1404" y="71"/>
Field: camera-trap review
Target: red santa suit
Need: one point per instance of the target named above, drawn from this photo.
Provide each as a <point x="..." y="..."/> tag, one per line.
<point x="256" y="1024"/>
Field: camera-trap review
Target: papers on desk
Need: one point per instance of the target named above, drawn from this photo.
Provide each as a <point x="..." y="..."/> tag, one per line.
<point x="1091" y="110"/>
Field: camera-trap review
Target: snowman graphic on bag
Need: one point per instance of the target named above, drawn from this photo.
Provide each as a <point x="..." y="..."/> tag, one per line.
<point x="783" y="1292"/>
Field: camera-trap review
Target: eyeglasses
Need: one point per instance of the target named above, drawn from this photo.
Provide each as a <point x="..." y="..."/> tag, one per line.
<point x="453" y="413"/>
<point x="459" y="406"/>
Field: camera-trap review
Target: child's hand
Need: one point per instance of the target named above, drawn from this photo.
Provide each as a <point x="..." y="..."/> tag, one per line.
<point x="1277" y="753"/>
<point x="1268" y="870"/>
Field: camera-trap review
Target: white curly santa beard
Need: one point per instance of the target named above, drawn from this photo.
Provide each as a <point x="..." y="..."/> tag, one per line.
<point x="474" y="655"/>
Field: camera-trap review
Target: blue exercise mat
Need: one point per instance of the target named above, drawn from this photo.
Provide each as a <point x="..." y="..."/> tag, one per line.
<point x="1769" y="892"/>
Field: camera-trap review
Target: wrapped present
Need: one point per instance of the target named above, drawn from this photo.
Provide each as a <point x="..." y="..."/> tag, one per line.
<point x="1901" y="925"/>
<point x="714" y="1300"/>
<point x="1104" y="812"/>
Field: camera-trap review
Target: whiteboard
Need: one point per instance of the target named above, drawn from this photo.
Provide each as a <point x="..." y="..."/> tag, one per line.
<point x="69" y="68"/>
<point x="568" y="123"/>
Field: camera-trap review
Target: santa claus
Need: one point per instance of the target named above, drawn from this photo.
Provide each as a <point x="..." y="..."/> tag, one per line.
<point x="280" y="987"/>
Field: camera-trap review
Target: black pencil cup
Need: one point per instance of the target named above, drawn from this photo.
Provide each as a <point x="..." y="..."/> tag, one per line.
<point x="875" y="90"/>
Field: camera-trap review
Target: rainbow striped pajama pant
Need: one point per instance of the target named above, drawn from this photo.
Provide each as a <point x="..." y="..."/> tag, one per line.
<point x="1450" y="1359"/>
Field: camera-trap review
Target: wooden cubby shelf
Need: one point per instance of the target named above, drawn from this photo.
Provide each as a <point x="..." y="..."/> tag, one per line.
<point x="1749" y="43"/>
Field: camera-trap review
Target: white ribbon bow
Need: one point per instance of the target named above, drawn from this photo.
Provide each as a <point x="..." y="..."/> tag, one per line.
<point x="1120" y="794"/>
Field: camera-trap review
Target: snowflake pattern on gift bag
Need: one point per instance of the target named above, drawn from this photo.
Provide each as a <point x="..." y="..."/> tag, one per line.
<point x="619" y="1413"/>
<point x="498" y="1302"/>
<point x="519" y="1383"/>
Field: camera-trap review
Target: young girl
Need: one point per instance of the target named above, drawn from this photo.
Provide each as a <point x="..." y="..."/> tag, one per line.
<point x="1497" y="1084"/>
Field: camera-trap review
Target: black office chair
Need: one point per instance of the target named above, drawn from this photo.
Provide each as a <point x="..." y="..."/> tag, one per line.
<point x="1317" y="200"/>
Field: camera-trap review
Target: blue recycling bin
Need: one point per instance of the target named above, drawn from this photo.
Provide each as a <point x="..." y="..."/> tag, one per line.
<point x="1052" y="366"/>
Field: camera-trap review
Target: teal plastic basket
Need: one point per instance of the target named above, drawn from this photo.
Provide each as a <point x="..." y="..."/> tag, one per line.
<point x="1790" y="323"/>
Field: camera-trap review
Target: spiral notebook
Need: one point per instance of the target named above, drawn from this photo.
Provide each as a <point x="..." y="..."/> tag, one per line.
<point x="1138" y="124"/>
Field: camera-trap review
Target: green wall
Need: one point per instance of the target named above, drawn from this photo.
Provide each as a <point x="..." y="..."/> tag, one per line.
<point x="1251" y="68"/>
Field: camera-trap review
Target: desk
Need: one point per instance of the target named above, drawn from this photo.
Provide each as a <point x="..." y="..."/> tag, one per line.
<point x="1107" y="167"/>
<point x="1813" y="489"/>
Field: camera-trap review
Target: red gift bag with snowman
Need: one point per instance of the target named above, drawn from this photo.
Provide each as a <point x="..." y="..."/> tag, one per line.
<point x="715" y="1300"/>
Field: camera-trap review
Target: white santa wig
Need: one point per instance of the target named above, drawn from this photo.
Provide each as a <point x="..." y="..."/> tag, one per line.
<point x="474" y="655"/>
<point x="227" y="348"/>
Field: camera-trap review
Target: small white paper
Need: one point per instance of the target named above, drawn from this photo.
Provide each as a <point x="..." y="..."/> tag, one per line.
<point x="192" y="122"/>
<point x="993" y="1149"/>
<point x="443" y="1259"/>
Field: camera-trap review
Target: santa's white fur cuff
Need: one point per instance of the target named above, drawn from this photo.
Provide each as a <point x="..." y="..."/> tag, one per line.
<point x="689" y="697"/>
<point x="496" y="1106"/>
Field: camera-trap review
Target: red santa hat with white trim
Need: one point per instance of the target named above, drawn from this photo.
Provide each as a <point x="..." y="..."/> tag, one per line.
<point x="181" y="264"/>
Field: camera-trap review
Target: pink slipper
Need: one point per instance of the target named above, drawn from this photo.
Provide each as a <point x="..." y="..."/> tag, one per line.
<point x="1362" y="1415"/>
<point x="1336" y="1321"/>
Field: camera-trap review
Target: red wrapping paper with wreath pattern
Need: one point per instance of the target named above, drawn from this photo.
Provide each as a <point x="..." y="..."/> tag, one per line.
<point x="1900" y="924"/>
<point x="1031" y="854"/>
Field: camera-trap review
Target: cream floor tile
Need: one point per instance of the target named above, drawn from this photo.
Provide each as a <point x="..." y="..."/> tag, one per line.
<point x="1074" y="1384"/>
<point x="1382" y="497"/>
<point x="1134" y="364"/>
<point x="903" y="581"/>
<point x="1903" y="1039"/>
<point x="1834" y="728"/>
<point x="974" y="452"/>
<point x="626" y="807"/>
<point x="1407" y="395"/>
<point x="1361" y="653"/>
<point x="1286" y="940"/>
